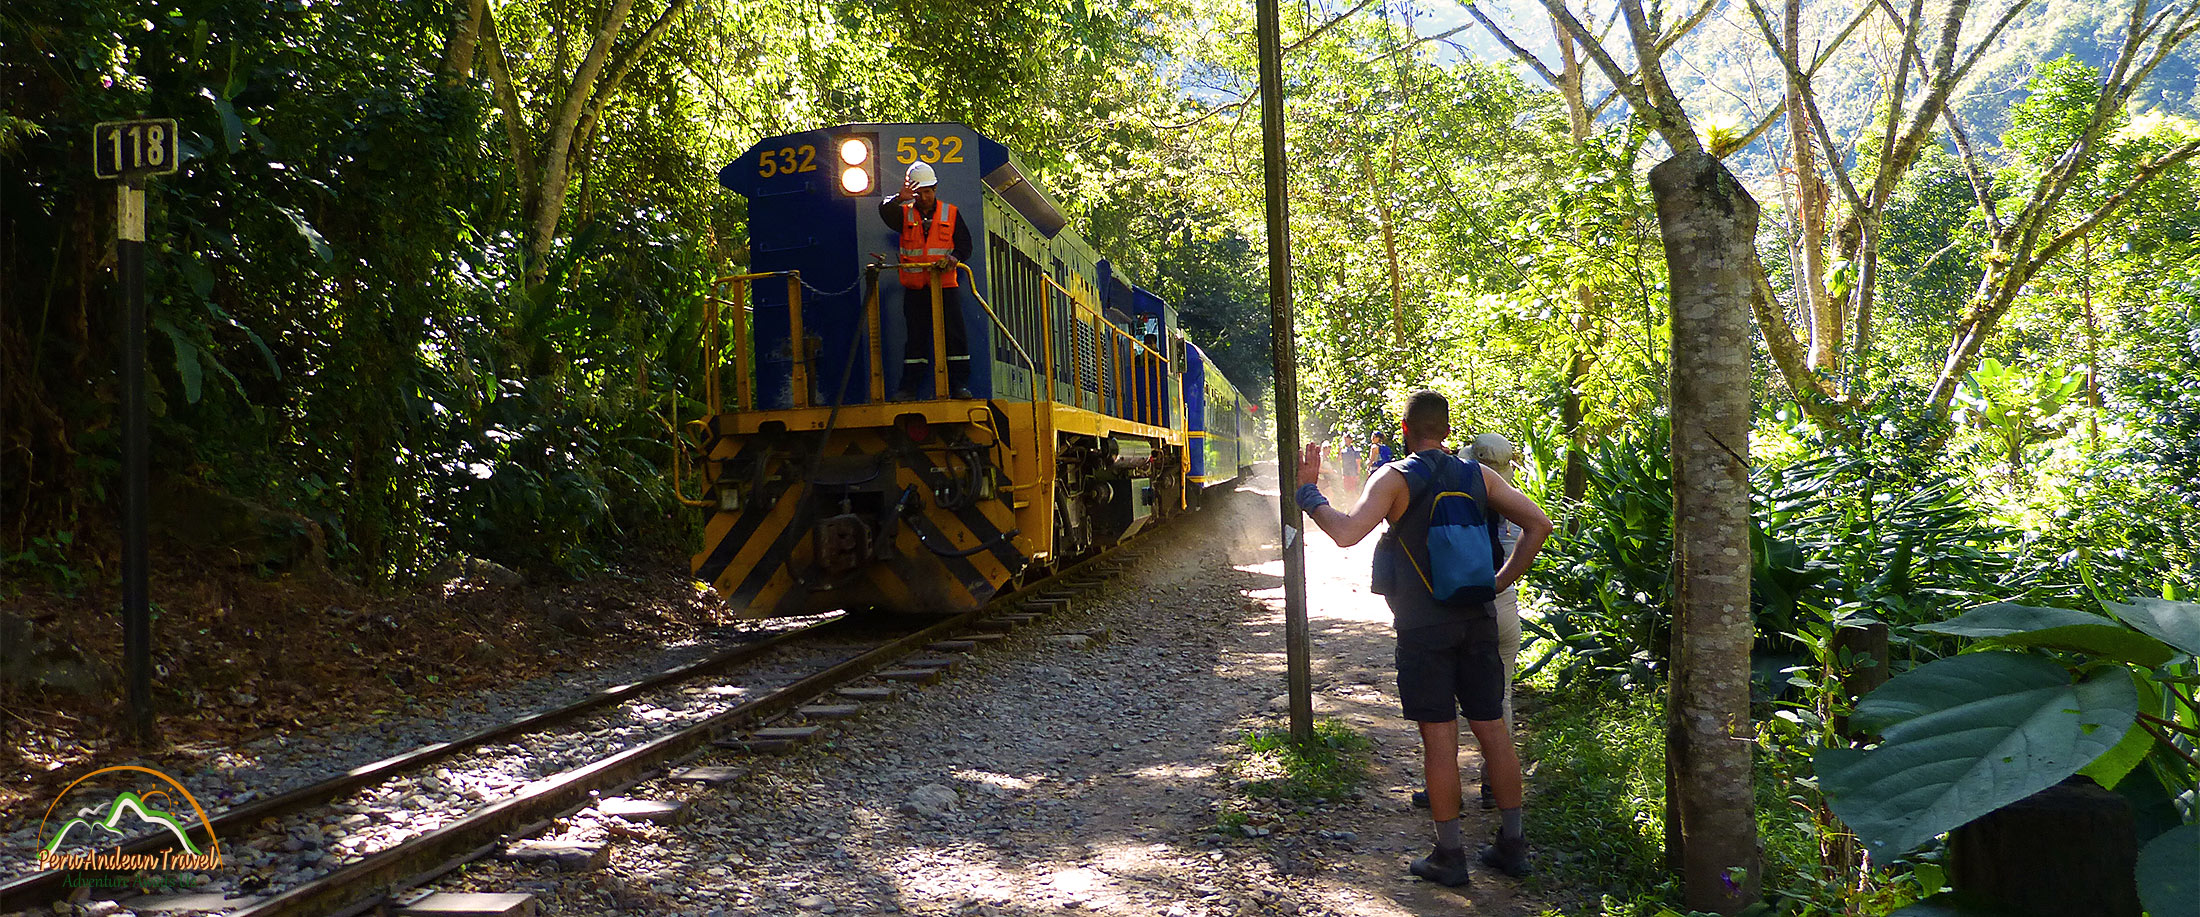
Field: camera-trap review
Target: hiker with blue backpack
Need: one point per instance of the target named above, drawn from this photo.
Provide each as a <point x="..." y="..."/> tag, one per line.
<point x="1440" y="566"/>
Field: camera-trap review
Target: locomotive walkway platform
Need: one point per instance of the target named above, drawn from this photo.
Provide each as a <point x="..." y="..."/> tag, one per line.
<point x="1069" y="776"/>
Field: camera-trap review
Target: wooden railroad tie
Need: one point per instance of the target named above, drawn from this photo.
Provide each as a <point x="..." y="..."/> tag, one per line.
<point x="708" y="776"/>
<point x="567" y="856"/>
<point x="951" y="646"/>
<point x="470" y="904"/>
<point x="943" y="663"/>
<point x="910" y="676"/>
<point x="772" y="740"/>
<point x="869" y="693"/>
<point x="830" y="711"/>
<point x="191" y="903"/>
<point x="658" y="811"/>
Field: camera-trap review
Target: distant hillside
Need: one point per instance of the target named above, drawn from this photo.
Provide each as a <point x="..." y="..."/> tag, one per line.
<point x="1725" y="72"/>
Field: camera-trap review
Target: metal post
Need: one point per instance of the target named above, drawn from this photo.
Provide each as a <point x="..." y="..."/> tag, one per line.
<point x="1297" y="639"/>
<point x="871" y="323"/>
<point x="939" y="339"/>
<point x="743" y="398"/>
<point x="798" y="341"/>
<point x="137" y="617"/>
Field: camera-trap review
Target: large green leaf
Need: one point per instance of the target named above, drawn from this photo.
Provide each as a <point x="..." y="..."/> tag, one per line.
<point x="2111" y="768"/>
<point x="2174" y="623"/>
<point x="1967" y="735"/>
<point x="2062" y="628"/>
<point x="2169" y="873"/>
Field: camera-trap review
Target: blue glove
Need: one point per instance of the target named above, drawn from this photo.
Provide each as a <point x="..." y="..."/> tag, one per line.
<point x="1310" y="496"/>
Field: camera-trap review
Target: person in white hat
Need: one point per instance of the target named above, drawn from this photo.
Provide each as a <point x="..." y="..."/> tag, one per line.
<point x="1494" y="450"/>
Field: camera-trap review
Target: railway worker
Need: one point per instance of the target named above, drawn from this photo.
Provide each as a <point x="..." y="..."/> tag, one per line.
<point x="934" y="239"/>
<point x="1447" y="658"/>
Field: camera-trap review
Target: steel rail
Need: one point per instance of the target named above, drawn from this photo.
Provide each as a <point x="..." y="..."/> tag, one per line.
<point x="41" y="888"/>
<point x="443" y="848"/>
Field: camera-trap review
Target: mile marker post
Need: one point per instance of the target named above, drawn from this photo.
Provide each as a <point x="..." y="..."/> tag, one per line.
<point x="130" y="152"/>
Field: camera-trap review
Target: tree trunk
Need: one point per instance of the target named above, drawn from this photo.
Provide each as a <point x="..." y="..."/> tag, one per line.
<point x="557" y="144"/>
<point x="515" y="117"/>
<point x="458" y="50"/>
<point x="1572" y="412"/>
<point x="1810" y="204"/>
<point x="1709" y="224"/>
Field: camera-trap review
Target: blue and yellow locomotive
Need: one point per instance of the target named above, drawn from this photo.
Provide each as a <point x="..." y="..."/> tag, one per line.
<point x="1089" y="416"/>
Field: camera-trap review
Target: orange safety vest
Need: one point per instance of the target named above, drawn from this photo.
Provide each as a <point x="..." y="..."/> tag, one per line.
<point x="918" y="249"/>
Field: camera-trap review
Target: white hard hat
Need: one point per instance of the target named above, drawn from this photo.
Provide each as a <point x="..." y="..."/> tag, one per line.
<point x="922" y="174"/>
<point x="1494" y="450"/>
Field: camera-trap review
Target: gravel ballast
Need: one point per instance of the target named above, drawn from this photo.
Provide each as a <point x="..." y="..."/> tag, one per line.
<point x="1050" y="776"/>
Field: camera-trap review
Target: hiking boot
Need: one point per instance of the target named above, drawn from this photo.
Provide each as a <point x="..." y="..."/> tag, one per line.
<point x="1420" y="799"/>
<point x="1443" y="867"/>
<point x="1508" y="856"/>
<point x="1489" y="797"/>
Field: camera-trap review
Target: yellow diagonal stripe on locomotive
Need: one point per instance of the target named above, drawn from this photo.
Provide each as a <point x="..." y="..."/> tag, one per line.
<point x="982" y="524"/>
<point x="748" y="536"/>
<point x="764" y="558"/>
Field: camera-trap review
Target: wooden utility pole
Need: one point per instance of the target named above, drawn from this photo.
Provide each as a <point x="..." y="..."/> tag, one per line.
<point x="1298" y="653"/>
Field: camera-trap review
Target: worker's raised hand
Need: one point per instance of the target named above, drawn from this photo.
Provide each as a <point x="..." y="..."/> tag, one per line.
<point x="908" y="189"/>
<point x="1310" y="464"/>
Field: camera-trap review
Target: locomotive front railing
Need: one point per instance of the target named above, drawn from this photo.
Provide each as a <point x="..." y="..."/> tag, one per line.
<point x="734" y="290"/>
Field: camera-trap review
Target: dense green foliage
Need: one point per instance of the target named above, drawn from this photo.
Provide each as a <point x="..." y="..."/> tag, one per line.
<point x="422" y="288"/>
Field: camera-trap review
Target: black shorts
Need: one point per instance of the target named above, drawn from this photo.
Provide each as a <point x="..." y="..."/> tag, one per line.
<point x="1451" y="667"/>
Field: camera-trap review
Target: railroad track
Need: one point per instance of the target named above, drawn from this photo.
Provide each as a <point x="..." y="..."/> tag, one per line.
<point x="367" y="879"/>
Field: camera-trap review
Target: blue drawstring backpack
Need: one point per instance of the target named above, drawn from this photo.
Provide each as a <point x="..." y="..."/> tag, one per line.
<point x="1447" y="537"/>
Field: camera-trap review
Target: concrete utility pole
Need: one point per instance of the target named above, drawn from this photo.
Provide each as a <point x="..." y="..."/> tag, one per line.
<point x="1298" y="652"/>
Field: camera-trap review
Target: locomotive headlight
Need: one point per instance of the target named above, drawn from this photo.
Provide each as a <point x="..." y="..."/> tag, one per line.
<point x="858" y="154"/>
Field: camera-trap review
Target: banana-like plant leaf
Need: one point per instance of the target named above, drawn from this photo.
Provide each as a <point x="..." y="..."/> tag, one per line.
<point x="2061" y="628"/>
<point x="2169" y="873"/>
<point x="187" y="358"/>
<point x="2174" y="623"/>
<point x="1965" y="736"/>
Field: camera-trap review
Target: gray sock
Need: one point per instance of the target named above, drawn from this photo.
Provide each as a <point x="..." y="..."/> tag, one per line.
<point x="1447" y="835"/>
<point x="1512" y="829"/>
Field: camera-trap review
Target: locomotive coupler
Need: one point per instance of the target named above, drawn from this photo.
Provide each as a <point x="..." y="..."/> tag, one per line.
<point x="843" y="544"/>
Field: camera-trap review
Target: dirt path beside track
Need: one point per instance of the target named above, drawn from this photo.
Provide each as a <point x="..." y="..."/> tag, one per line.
<point x="1083" y="779"/>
